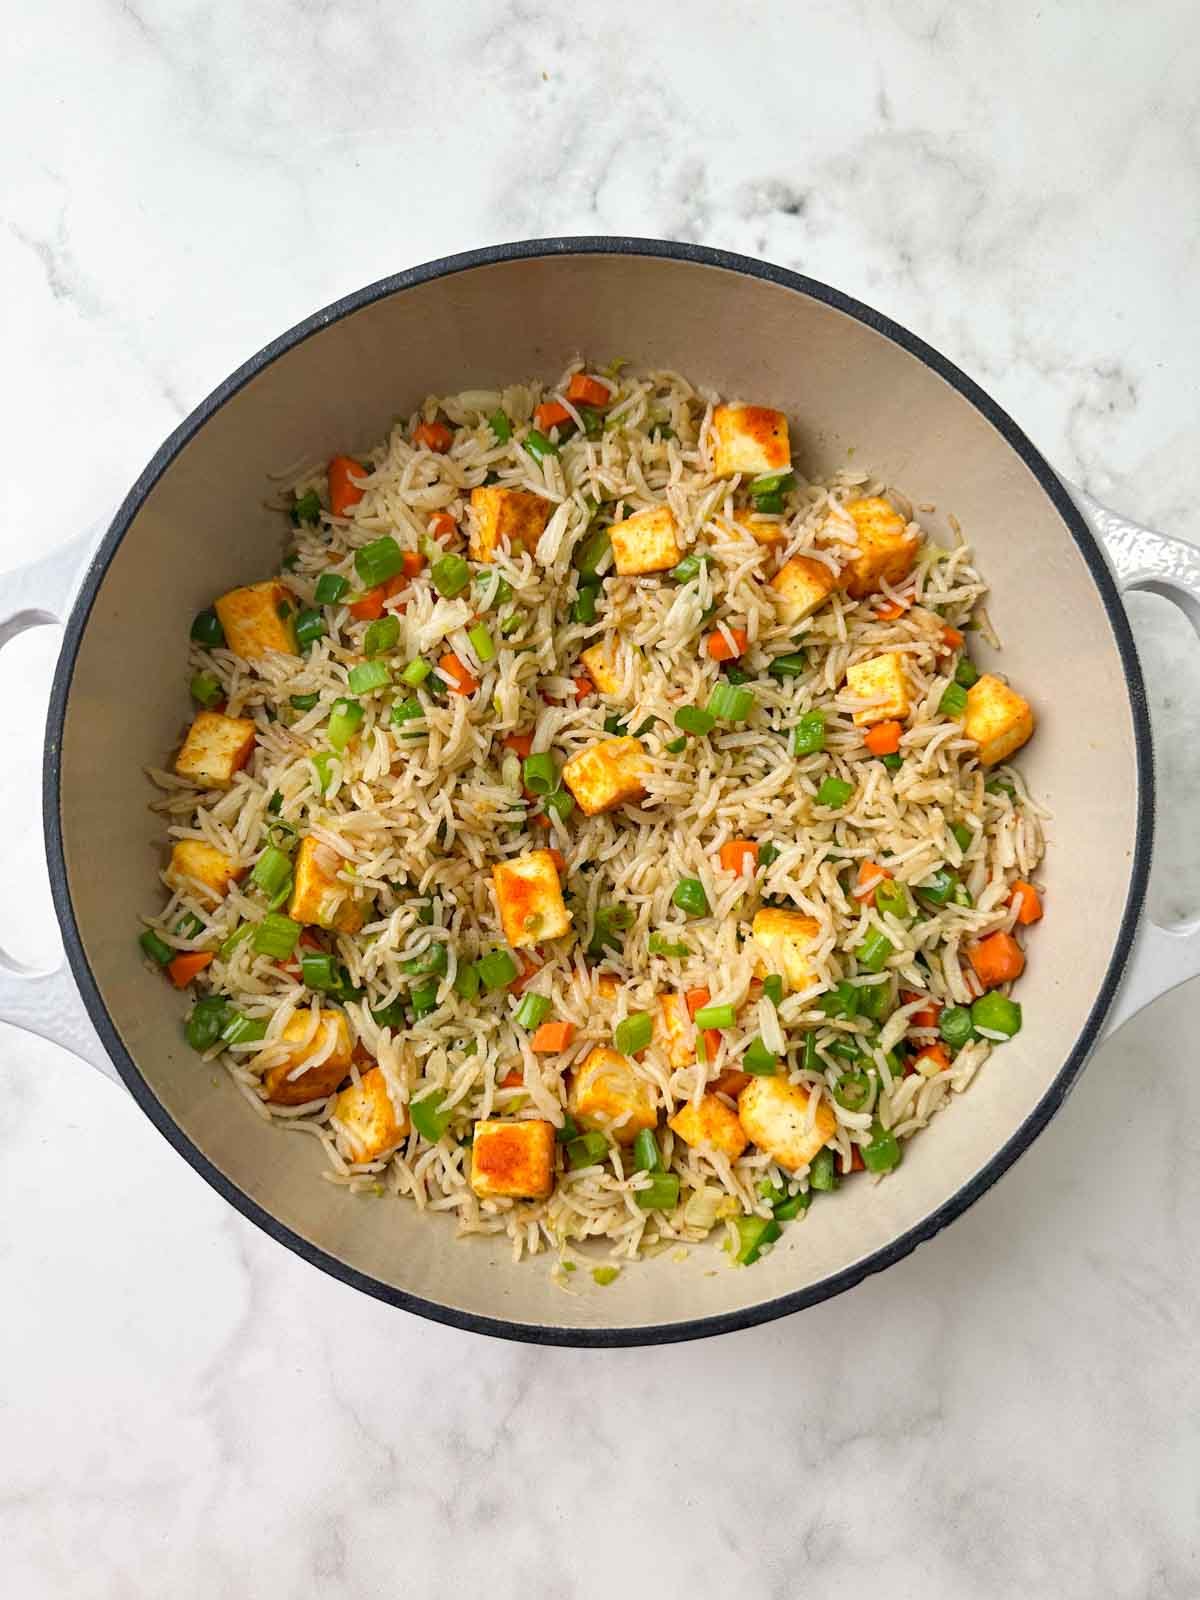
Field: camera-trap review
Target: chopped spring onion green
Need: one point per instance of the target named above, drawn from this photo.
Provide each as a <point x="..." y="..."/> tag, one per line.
<point x="695" y="721"/>
<point x="305" y="702"/>
<point x="205" y="689"/>
<point x="966" y="673"/>
<point x="841" y="1001"/>
<point x="203" y="1027"/>
<point x="660" y="1194"/>
<point x="952" y="704"/>
<point x="792" y="1206"/>
<point x="659" y="945"/>
<point x="589" y="1150"/>
<point x="428" y="1118"/>
<point x="344" y="722"/>
<point x="275" y="803"/>
<point x="415" y="673"/>
<point x="773" y="989"/>
<point x="647" y="1157"/>
<point x="688" y="894"/>
<point x="772" y="483"/>
<point x="873" y="952"/>
<point x="593" y="422"/>
<point x="157" y="949"/>
<point x="323" y="767"/>
<point x="891" y="900"/>
<point x="955" y="1026"/>
<point x="540" y="773"/>
<point x="239" y="935"/>
<point x="735" y="675"/>
<point x="568" y="1131"/>
<point x="271" y="871"/>
<point x="822" y="1174"/>
<point x="853" y="1091"/>
<point x="497" y="969"/>
<point x="511" y="623"/>
<point x="538" y="446"/>
<point x="331" y="586"/>
<point x="893" y="762"/>
<point x="369" y="676"/>
<point x="769" y="504"/>
<point x="883" y="1153"/>
<point x="834" y="793"/>
<point x="633" y="1033"/>
<point x="276" y="936"/>
<point x="753" y="1233"/>
<point x="793" y="665"/>
<point x="433" y="958"/>
<point x="995" y="1016"/>
<point x="593" y="553"/>
<point x="610" y="923"/>
<point x="189" y="926"/>
<point x="767" y="853"/>
<point x="493" y="590"/>
<point x="310" y="626"/>
<point x="962" y="896"/>
<point x="643" y="728"/>
<point x="812" y="1058"/>
<point x="482" y="642"/>
<point x="466" y="982"/>
<point x="1000" y="786"/>
<point x="808" y="736"/>
<point x="390" y="1016"/>
<point x="605" y="1275"/>
<point x="307" y="508"/>
<point x="241" y="1029"/>
<point x="689" y="567"/>
<point x="533" y="1011"/>
<point x="615" y="723"/>
<point x="675" y="746"/>
<point x="500" y="425"/>
<point x="423" y="998"/>
<point x="319" y="970"/>
<point x="938" y="888"/>
<point x="450" y="575"/>
<point x="757" y="1060"/>
<point x="561" y="803"/>
<point x="845" y="1049"/>
<point x="207" y="629"/>
<point x="583" y="607"/>
<point x="730" y="702"/>
<point x="378" y="561"/>
<point x="381" y="635"/>
<point x="407" y="711"/>
<point x="875" y="1000"/>
<point x="716" y="1017"/>
<point x="963" y="836"/>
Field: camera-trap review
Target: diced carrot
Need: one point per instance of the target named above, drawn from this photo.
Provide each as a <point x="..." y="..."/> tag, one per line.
<point x="361" y="1056"/>
<point x="512" y="1078"/>
<point x="442" y="525"/>
<point x="870" y="873"/>
<point x="929" y="1013"/>
<point x="1027" y="901"/>
<point x="583" y="686"/>
<point x="186" y="965"/>
<point x="220" y="707"/>
<point x="935" y="1055"/>
<point x="520" y="743"/>
<point x="719" y="648"/>
<point x="369" y="605"/>
<point x="952" y="638"/>
<point x="889" y="610"/>
<point x="731" y="1081"/>
<point x="529" y="969"/>
<point x="434" y="434"/>
<point x="550" y="414"/>
<point x="540" y="821"/>
<point x="695" y="1000"/>
<point x="739" y="855"/>
<point x="551" y="1038"/>
<point x="997" y="959"/>
<point x="884" y="738"/>
<point x="309" y="940"/>
<point x="559" y="860"/>
<point x="461" y="681"/>
<point x="586" y="391"/>
<point x="414" y="563"/>
<point x="343" y="494"/>
<point x="857" y="1164"/>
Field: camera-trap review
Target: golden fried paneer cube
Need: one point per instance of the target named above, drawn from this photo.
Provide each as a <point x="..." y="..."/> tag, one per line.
<point x="215" y="749"/>
<point x="513" y="1160"/>
<point x="607" y="1093"/>
<point x="194" y="861"/>
<point x="887" y="548"/>
<point x="319" y="897"/>
<point x="785" y="938"/>
<point x="607" y="774"/>
<point x="881" y="678"/>
<point x="320" y="1080"/>
<point x="645" y="542"/>
<point x="802" y="585"/>
<point x="713" y="1123"/>
<point x="763" y="530"/>
<point x="529" y="899"/>
<point x="774" y="1116"/>
<point x="257" y="619"/>
<point x="371" y="1127"/>
<point x="607" y="986"/>
<point x="997" y="718"/>
<point x="506" y="517"/>
<point x="674" y="1032"/>
<point x="599" y="661"/>
<point x="750" y="439"/>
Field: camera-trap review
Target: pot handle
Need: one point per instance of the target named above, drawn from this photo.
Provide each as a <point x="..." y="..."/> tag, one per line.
<point x="47" y="1003"/>
<point x="1161" y="958"/>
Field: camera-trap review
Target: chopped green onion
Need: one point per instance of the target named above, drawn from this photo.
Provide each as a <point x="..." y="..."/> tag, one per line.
<point x="481" y="642"/>
<point x="1000" y="786"/>
<point x="323" y="766"/>
<point x="344" y="722"/>
<point x="203" y="1028"/>
<point x="310" y="626"/>
<point x="785" y="1210"/>
<point x="238" y="936"/>
<point x="533" y="1010"/>
<point x="735" y="675"/>
<point x="415" y="673"/>
<point x="963" y="836"/>
<point x="615" y="723"/>
<point x="772" y="483"/>
<point x="497" y="969"/>
<point x="189" y="926"/>
<point x="767" y="853"/>
<point x="689" y="567"/>
<point x="891" y="900"/>
<point x="610" y="922"/>
<point x="390" y="1016"/>
<point x="367" y="677"/>
<point x="450" y="576"/>
<point x="500" y="425"/>
<point x="790" y="666"/>
<point x="643" y="728"/>
<point x="593" y="421"/>
<point x="428" y="1118"/>
<point x="540" y="773"/>
<point x="659" y="945"/>
<point x="207" y="629"/>
<point x="276" y="936"/>
<point x="381" y="635"/>
<point x="845" y="1049"/>
<point x="157" y="949"/>
<point x="494" y="590"/>
<point x="808" y="736"/>
<point x="822" y="1174"/>
<point x="674" y="746"/>
<point x="834" y="793"/>
<point x="688" y="894"/>
<point x="716" y="1017"/>
<point x="873" y="952"/>
<point x="695" y="721"/>
<point x="753" y="1234"/>
<point x="331" y="586"/>
<point x="568" y="1131"/>
<point x="632" y="1034"/>
<point x="853" y="1091"/>
<point x="275" y="803"/>
<point x="538" y="446"/>
<point x="241" y="1029"/>
<point x="773" y="989"/>
<point x="589" y="1150"/>
<point x="423" y="998"/>
<point x="995" y="1016"/>
<point x="962" y="896"/>
<point x="510" y="623"/>
<point x="875" y="1000"/>
<point x="883" y="1153"/>
<point x="757" y="1060"/>
<point x="307" y="508"/>
<point x="205" y="689"/>
<point x="560" y="802"/>
<point x="433" y="958"/>
<point x="938" y="887"/>
<point x="605" y="1275"/>
<point x="893" y="762"/>
<point x="593" y="553"/>
<point x="660" y="1194"/>
<point x="378" y="561"/>
<point x="730" y="702"/>
<point x="583" y="607"/>
<point x="955" y="1026"/>
<point x="466" y="981"/>
<point x="647" y="1157"/>
<point x="407" y="711"/>
<point x="271" y="871"/>
<point x="952" y="704"/>
<point x="812" y="1058"/>
<point x="966" y="673"/>
<point x="840" y="1001"/>
<point x="304" y="702"/>
<point x="318" y="970"/>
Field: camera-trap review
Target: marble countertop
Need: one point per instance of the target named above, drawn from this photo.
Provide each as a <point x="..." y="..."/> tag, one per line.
<point x="189" y="1410"/>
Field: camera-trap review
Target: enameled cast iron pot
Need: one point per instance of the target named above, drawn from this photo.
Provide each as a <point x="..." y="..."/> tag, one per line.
<point x="195" y="524"/>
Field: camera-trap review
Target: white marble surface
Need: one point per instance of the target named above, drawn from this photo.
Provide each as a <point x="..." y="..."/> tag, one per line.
<point x="188" y="1410"/>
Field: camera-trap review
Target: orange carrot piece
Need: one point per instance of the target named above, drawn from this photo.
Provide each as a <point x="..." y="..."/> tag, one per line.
<point x="559" y="860"/>
<point x="343" y="494"/>
<point x="551" y="1038"/>
<point x="884" y="738"/>
<point x="442" y="525"/>
<point x="739" y="855"/>
<point x="550" y="414"/>
<point x="695" y="999"/>
<point x="870" y="873"/>
<point x="583" y="686"/>
<point x="186" y="965"/>
<point x="586" y="391"/>
<point x="952" y="638"/>
<point x="929" y="1013"/>
<point x="512" y="1078"/>
<point x="935" y="1054"/>
<point x="1028" y="903"/>
<point x="857" y="1164"/>
<point x="434" y="434"/>
<point x="461" y="680"/>
<point x="529" y="969"/>
<point x="369" y="606"/>
<point x="889" y="610"/>
<point x="719" y="648"/>
<point x="997" y="959"/>
<point x="731" y="1081"/>
<point x="521" y="743"/>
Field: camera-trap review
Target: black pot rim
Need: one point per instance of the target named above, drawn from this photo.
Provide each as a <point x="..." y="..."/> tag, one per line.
<point x="695" y="1327"/>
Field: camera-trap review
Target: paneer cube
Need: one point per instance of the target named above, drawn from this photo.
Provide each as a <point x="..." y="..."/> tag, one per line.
<point x="506" y="517"/>
<point x="257" y="619"/>
<point x="370" y="1126"/>
<point x="774" y="1115"/>
<point x="713" y="1123"/>
<point x="607" y="986"/>
<point x="600" y="664"/>
<point x="883" y="679"/>
<point x="513" y="1159"/>
<point x="802" y="585"/>
<point x="607" y="1093"/>
<point x="887" y="548"/>
<point x="645" y="542"/>
<point x="785" y="937"/>
<point x="215" y="749"/>
<point x="319" y="897"/>
<point x="607" y="774"/>
<point x="997" y="718"/>
<point x="529" y="899"/>
<point x="195" y="862"/>
<point x="761" y="529"/>
<point x="320" y="1080"/>
<point x="674" y="1031"/>
<point x="750" y="439"/>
